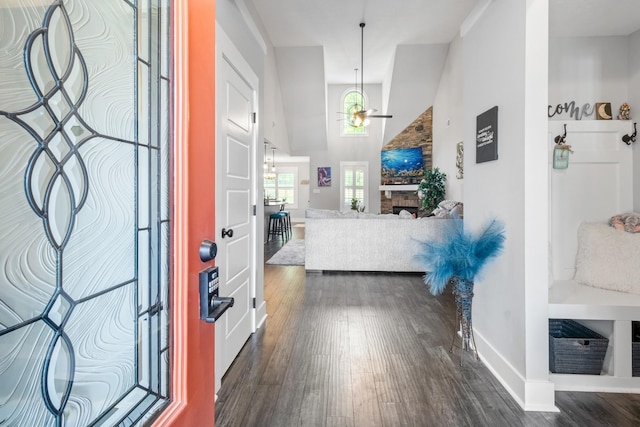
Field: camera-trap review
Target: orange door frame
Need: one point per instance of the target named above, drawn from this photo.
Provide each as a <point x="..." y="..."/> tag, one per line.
<point x="192" y="378"/>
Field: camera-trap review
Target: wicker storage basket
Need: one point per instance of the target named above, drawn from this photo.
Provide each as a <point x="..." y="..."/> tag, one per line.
<point x="574" y="348"/>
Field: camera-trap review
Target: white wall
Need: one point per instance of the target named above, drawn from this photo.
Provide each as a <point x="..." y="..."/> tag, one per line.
<point x="303" y="95"/>
<point x="588" y="70"/>
<point x="230" y="18"/>
<point x="494" y="65"/>
<point x="448" y="115"/>
<point x="297" y="214"/>
<point x="505" y="65"/>
<point x="347" y="148"/>
<point x="634" y="102"/>
<point x="413" y="85"/>
<point x="273" y="118"/>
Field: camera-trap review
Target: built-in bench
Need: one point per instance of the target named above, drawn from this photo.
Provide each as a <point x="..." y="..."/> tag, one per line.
<point x="605" y="288"/>
<point x="597" y="185"/>
<point x="571" y="300"/>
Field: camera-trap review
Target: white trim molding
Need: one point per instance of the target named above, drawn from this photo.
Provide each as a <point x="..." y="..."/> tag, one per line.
<point x="530" y="395"/>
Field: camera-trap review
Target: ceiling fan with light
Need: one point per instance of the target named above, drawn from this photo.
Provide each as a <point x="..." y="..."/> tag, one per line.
<point x="357" y="114"/>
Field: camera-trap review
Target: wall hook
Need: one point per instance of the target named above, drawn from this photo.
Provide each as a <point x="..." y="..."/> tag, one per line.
<point x="560" y="138"/>
<point x="628" y="139"/>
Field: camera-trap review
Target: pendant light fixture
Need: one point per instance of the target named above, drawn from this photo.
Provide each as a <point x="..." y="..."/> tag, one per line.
<point x="359" y="115"/>
<point x="273" y="159"/>
<point x="265" y="165"/>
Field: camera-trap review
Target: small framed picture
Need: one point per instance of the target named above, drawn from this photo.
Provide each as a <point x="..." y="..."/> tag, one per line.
<point x="460" y="160"/>
<point x="487" y="136"/>
<point x="324" y="177"/>
<point x="603" y="111"/>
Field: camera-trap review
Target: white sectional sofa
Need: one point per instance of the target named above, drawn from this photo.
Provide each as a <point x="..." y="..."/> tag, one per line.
<point x="354" y="241"/>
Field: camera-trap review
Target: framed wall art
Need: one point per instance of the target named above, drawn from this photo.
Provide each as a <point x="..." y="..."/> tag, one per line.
<point x="460" y="160"/>
<point x="324" y="177"/>
<point x="487" y="136"/>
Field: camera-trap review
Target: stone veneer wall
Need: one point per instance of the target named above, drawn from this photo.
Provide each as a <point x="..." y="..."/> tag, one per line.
<point x="417" y="134"/>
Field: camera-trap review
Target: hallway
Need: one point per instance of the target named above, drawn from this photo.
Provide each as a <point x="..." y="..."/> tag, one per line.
<point x="358" y="349"/>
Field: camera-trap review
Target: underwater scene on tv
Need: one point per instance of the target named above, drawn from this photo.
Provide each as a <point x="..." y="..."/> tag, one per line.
<point x="403" y="162"/>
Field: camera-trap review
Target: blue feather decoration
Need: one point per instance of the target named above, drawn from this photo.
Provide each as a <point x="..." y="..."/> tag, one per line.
<point x="460" y="254"/>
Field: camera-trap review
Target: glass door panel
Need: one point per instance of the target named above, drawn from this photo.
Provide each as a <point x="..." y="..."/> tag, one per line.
<point x="84" y="211"/>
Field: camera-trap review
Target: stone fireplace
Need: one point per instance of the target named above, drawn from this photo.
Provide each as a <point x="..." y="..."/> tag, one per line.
<point x="399" y="200"/>
<point x="417" y="134"/>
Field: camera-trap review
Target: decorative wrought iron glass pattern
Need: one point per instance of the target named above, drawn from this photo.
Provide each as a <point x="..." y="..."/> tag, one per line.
<point x="84" y="197"/>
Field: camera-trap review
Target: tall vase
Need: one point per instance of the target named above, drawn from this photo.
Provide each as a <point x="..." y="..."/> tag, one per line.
<point x="463" y="292"/>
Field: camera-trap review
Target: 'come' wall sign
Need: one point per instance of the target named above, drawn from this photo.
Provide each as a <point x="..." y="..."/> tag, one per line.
<point x="602" y="110"/>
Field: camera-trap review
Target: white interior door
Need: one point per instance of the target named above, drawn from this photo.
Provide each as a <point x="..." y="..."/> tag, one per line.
<point x="235" y="152"/>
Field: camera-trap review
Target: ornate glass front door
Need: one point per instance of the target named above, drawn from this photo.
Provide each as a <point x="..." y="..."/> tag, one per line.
<point x="84" y="211"/>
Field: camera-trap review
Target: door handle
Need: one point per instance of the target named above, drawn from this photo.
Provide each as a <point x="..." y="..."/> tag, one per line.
<point x="226" y="233"/>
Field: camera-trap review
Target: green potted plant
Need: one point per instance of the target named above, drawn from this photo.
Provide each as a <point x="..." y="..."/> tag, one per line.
<point x="431" y="189"/>
<point x="356" y="205"/>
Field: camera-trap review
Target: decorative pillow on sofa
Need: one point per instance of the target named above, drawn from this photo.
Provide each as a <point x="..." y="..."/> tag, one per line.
<point x="405" y="214"/>
<point x="449" y="209"/>
<point x="447" y="204"/>
<point x="349" y="214"/>
<point x="321" y="213"/>
<point x="366" y="215"/>
<point x="457" y="212"/>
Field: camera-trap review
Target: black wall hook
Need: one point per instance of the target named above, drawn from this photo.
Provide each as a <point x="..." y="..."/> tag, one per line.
<point x="628" y="139"/>
<point x="561" y="138"/>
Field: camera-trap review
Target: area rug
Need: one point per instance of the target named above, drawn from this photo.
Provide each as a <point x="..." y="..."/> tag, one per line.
<point x="292" y="253"/>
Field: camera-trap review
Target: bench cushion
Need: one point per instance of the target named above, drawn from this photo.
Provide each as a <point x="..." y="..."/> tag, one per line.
<point x="608" y="258"/>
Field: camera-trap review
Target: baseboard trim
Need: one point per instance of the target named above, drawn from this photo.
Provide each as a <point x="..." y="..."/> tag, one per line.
<point x="260" y="316"/>
<point x="538" y="396"/>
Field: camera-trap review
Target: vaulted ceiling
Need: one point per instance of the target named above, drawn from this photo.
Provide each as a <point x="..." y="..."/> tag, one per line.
<point x="317" y="43"/>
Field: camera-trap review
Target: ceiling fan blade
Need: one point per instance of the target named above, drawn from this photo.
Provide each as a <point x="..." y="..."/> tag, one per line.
<point x="380" y="116"/>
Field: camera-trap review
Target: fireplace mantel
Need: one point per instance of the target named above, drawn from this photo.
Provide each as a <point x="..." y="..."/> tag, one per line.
<point x="388" y="189"/>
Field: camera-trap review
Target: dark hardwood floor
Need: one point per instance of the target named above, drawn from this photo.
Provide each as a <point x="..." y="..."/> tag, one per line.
<point x="371" y="349"/>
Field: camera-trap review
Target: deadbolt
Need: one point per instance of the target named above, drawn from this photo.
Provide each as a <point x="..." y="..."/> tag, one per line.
<point x="208" y="250"/>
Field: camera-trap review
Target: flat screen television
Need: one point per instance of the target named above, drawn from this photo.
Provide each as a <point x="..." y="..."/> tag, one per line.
<point x="402" y="163"/>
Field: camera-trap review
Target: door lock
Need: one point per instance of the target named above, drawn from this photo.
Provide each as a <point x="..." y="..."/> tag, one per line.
<point x="226" y="233"/>
<point x="208" y="250"/>
<point x="212" y="306"/>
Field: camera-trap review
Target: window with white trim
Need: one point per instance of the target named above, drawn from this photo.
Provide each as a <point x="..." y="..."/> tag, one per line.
<point x="352" y="100"/>
<point x="354" y="184"/>
<point x="282" y="185"/>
